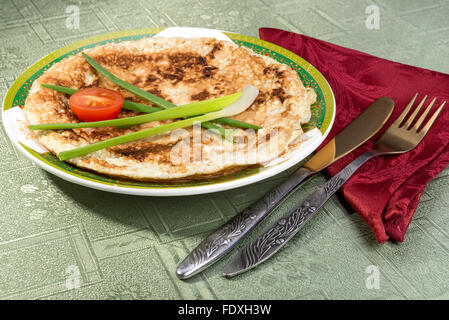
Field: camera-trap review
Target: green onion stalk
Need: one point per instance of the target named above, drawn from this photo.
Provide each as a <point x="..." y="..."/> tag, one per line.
<point x="247" y="97"/>
<point x="151" y="97"/>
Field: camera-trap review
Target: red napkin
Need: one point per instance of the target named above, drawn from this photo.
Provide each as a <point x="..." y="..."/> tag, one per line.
<point x="386" y="190"/>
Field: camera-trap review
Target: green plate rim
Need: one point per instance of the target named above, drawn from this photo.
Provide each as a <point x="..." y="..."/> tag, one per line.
<point x="271" y="50"/>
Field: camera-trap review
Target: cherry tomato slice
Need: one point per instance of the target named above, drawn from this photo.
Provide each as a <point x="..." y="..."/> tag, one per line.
<point x="96" y="104"/>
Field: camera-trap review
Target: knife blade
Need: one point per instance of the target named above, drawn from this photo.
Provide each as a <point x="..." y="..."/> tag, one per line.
<point x="226" y="237"/>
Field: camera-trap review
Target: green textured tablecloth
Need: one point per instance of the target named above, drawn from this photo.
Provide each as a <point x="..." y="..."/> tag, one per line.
<point x="128" y="247"/>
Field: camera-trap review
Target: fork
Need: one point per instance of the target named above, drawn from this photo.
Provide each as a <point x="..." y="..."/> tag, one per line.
<point x="404" y="134"/>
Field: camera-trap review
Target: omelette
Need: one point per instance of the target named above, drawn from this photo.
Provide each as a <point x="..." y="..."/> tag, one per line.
<point x="180" y="71"/>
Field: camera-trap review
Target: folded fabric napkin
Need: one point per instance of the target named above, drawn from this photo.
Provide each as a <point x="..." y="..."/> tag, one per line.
<point x="386" y="190"/>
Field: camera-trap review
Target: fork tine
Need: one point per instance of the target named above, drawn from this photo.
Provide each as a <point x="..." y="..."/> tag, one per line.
<point x="405" y="112"/>
<point x="432" y="120"/>
<point x="424" y="115"/>
<point x="413" y="116"/>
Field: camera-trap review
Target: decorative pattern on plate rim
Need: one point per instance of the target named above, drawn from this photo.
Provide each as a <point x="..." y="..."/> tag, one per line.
<point x="322" y="111"/>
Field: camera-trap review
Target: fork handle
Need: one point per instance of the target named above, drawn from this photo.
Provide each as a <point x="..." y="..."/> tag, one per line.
<point x="227" y="236"/>
<point x="270" y="241"/>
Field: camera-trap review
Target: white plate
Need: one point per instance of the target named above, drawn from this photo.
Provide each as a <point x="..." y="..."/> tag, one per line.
<point x="15" y="125"/>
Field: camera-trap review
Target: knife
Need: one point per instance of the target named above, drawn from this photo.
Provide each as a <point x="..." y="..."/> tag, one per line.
<point x="226" y="237"/>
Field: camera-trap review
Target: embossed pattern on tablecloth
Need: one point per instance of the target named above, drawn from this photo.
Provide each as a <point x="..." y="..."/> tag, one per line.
<point x="57" y="236"/>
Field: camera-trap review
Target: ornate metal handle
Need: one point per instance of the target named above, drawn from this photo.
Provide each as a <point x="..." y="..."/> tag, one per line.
<point x="227" y="236"/>
<point x="285" y="228"/>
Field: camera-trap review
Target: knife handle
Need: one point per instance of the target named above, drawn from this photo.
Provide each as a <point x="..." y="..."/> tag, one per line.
<point x="227" y="236"/>
<point x="276" y="236"/>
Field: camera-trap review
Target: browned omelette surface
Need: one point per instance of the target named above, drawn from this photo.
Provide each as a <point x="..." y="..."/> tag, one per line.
<point x="180" y="71"/>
